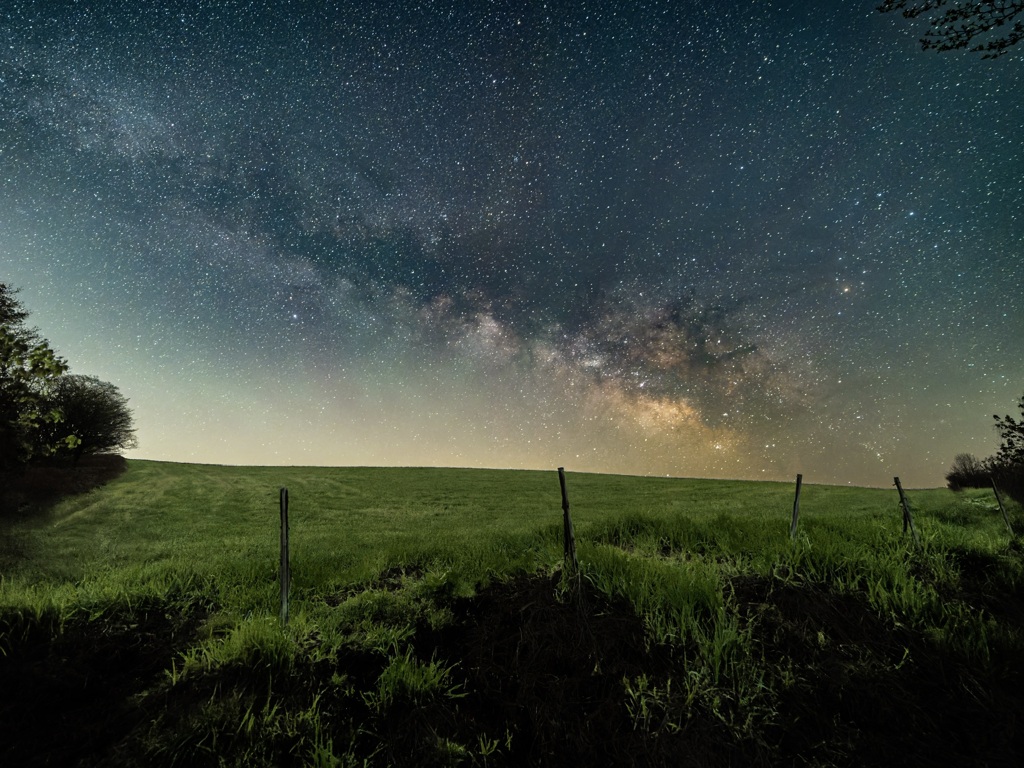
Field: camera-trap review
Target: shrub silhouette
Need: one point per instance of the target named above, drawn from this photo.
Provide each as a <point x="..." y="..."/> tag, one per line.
<point x="968" y="471"/>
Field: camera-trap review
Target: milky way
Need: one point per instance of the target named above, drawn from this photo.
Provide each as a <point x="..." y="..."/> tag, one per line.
<point x="744" y="240"/>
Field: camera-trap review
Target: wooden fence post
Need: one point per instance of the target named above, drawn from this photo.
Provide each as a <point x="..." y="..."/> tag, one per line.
<point x="568" y="536"/>
<point x="908" y="519"/>
<point x="286" y="572"/>
<point x="796" y="507"/>
<point x="1001" y="507"/>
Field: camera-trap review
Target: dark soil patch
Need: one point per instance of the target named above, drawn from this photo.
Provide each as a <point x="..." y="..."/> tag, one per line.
<point x="984" y="583"/>
<point x="67" y="695"/>
<point x="860" y="690"/>
<point x="548" y="666"/>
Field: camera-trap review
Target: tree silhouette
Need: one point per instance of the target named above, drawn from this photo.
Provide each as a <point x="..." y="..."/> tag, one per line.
<point x="982" y="26"/>
<point x="1007" y="466"/>
<point x="94" y="412"/>
<point x="968" y="471"/>
<point x="1011" y="431"/>
<point x="28" y="368"/>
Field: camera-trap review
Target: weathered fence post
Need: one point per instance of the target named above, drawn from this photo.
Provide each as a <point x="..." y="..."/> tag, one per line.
<point x="1001" y="507"/>
<point x="568" y="536"/>
<point x="908" y="519"/>
<point x="796" y="507"/>
<point x="286" y="572"/>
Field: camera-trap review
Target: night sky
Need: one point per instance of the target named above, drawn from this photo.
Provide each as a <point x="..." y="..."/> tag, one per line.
<point x="742" y="239"/>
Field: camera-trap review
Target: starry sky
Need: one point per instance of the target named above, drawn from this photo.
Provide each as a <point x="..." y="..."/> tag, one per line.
<point x="731" y="239"/>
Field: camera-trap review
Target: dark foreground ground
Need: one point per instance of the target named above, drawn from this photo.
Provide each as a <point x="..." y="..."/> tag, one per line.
<point x="537" y="669"/>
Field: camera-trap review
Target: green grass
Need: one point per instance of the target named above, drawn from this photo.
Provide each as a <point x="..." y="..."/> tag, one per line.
<point x="431" y="622"/>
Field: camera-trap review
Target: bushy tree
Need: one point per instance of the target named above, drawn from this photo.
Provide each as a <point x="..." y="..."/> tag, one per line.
<point x="1007" y="466"/>
<point x="1011" y="431"/>
<point x="28" y="368"/>
<point x="983" y="26"/>
<point x="968" y="471"/>
<point x="94" y="412"/>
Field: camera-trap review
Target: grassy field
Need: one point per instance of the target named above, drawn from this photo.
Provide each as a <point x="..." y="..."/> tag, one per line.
<point x="432" y="623"/>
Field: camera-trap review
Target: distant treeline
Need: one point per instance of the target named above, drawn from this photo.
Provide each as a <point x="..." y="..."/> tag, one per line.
<point x="1005" y="469"/>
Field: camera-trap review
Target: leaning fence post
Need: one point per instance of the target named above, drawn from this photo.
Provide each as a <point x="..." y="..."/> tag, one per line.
<point x="568" y="536"/>
<point x="1001" y="507"/>
<point x="796" y="507"/>
<point x="286" y="572"/>
<point x="908" y="519"/>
